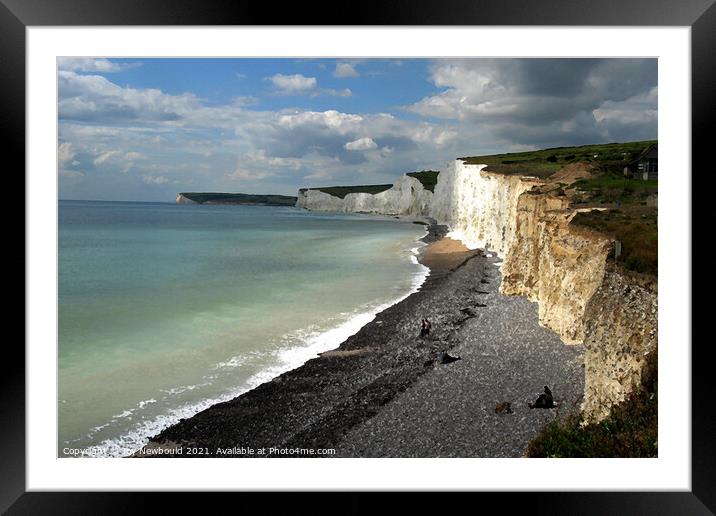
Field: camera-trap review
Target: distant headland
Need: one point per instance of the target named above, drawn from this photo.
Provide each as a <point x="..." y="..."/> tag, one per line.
<point x="234" y="198"/>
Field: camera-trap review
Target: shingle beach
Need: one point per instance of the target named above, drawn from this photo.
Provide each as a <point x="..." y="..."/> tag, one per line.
<point x="384" y="393"/>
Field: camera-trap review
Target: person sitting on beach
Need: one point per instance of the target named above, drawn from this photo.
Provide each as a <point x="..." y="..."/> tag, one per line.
<point x="445" y="358"/>
<point x="544" y="400"/>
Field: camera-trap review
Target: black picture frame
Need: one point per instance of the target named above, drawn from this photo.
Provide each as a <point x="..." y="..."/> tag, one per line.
<point x="699" y="15"/>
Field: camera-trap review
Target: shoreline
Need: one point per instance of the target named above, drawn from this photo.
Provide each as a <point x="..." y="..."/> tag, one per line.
<point x="132" y="425"/>
<point x="331" y="400"/>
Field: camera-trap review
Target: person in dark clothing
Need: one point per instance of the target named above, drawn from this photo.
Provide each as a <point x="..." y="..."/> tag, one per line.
<point x="445" y="358"/>
<point x="428" y="325"/>
<point x="423" y="328"/>
<point x="544" y="400"/>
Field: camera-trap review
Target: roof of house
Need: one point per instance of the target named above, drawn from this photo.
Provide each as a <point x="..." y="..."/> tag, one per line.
<point x="652" y="151"/>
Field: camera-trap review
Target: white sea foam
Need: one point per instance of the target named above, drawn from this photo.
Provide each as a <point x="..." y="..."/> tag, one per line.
<point x="126" y="413"/>
<point x="232" y="363"/>
<point x="183" y="388"/>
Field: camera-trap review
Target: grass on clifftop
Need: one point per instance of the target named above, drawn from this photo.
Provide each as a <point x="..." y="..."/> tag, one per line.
<point x="428" y="178"/>
<point x="239" y="198"/>
<point x="610" y="188"/>
<point x="635" y="226"/>
<point x="631" y="430"/>
<point x="342" y="191"/>
<point x="610" y="157"/>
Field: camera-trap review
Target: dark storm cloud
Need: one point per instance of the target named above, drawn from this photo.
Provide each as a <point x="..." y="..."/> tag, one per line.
<point x="531" y="101"/>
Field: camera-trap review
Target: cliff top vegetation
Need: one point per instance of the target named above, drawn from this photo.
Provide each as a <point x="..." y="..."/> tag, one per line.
<point x="239" y="198"/>
<point x="635" y="226"/>
<point x="631" y="218"/>
<point x="609" y="157"/>
<point x="428" y="178"/>
<point x="342" y="191"/>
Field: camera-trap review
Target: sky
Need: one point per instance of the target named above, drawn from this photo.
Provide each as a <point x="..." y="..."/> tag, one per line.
<point x="146" y="129"/>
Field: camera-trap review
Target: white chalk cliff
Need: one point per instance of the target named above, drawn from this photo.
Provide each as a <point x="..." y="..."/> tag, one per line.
<point x="479" y="206"/>
<point x="560" y="266"/>
<point x="406" y="197"/>
<point x="184" y="200"/>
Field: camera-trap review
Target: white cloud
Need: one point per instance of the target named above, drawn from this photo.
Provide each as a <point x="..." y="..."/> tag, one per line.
<point x="91" y="64"/>
<point x="300" y="85"/>
<point x="344" y="70"/>
<point x="293" y="83"/>
<point x="106" y="156"/>
<point x="155" y="180"/>
<point x="318" y="175"/>
<point x="637" y="109"/>
<point x="65" y="153"/>
<point x="361" y="144"/>
<point x="335" y="120"/>
<point x="93" y="97"/>
<point x="245" y="175"/>
<point x="72" y="174"/>
<point x="117" y="158"/>
<point x="345" y="92"/>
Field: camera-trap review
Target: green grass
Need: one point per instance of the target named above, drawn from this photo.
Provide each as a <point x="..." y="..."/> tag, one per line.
<point x="428" y="178"/>
<point x="608" y="188"/>
<point x="610" y="157"/>
<point x="631" y="429"/>
<point x="637" y="229"/>
<point x="240" y="198"/>
<point x="342" y="191"/>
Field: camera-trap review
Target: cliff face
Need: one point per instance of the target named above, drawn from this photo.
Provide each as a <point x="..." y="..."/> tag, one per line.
<point x="621" y="321"/>
<point x="478" y="206"/>
<point x="554" y="263"/>
<point x="544" y="258"/>
<point x="560" y="266"/>
<point x="406" y="197"/>
<point x="184" y="200"/>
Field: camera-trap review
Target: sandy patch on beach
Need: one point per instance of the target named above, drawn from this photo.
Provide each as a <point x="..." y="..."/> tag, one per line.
<point x="445" y="255"/>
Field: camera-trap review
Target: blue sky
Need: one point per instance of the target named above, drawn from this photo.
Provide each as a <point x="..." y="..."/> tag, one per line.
<point x="145" y="129"/>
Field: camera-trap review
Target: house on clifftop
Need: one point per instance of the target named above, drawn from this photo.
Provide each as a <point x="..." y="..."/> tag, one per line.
<point x="646" y="166"/>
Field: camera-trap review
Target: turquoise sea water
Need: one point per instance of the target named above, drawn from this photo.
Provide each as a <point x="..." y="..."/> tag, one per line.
<point x="166" y="309"/>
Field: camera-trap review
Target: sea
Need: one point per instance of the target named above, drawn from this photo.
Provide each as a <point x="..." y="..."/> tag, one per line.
<point x="166" y="309"/>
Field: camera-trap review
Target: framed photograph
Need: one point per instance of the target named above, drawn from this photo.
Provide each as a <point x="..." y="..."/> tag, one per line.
<point x="418" y="251"/>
